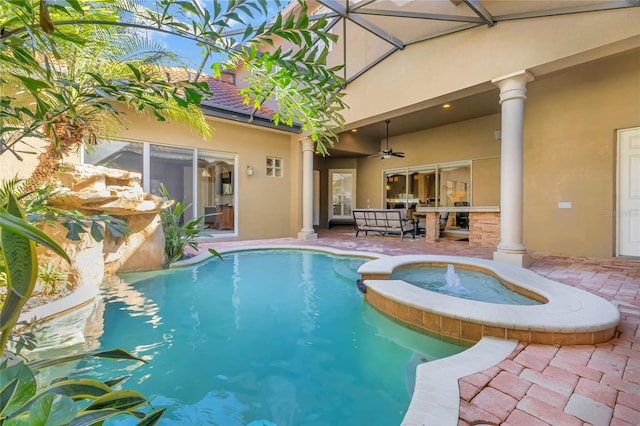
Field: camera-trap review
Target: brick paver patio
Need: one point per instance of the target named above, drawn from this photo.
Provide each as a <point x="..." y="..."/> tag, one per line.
<point x="538" y="384"/>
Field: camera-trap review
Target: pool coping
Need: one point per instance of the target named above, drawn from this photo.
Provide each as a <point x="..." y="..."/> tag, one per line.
<point x="78" y="298"/>
<point x="436" y="395"/>
<point x="206" y="255"/>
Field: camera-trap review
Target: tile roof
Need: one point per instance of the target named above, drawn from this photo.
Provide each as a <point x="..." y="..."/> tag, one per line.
<point x="226" y="101"/>
<point x="173" y="73"/>
<point x="227" y="96"/>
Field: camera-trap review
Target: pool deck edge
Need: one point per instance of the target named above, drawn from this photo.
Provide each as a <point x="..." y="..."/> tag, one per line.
<point x="436" y="396"/>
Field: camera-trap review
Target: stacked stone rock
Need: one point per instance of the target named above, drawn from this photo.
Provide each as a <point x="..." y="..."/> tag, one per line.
<point x="94" y="190"/>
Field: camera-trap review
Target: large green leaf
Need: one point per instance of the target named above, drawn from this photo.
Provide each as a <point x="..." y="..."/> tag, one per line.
<point x="19" y="225"/>
<point x="26" y="386"/>
<point x="19" y="254"/>
<point x="48" y="410"/>
<point x="88" y="418"/>
<point x="6" y="393"/>
<point x="120" y="400"/>
<point x="151" y="418"/>
<point x="78" y="389"/>
<point x="119" y="354"/>
<point x="21" y="270"/>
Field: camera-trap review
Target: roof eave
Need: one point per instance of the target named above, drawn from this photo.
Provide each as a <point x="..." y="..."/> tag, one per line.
<point x="235" y="114"/>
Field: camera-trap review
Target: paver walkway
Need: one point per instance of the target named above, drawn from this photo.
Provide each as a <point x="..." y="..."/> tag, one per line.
<point x="539" y="384"/>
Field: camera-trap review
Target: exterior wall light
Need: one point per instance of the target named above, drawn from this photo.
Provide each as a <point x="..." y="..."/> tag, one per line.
<point x="249" y="170"/>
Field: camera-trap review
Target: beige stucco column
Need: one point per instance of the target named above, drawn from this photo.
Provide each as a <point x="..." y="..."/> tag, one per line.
<point x="513" y="93"/>
<point x="307" y="232"/>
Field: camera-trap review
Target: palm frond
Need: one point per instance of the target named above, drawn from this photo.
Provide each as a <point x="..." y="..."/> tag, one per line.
<point x="10" y="186"/>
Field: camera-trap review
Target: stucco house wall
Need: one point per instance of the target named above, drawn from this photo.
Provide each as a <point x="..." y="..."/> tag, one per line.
<point x="263" y="202"/>
<point x="570" y="154"/>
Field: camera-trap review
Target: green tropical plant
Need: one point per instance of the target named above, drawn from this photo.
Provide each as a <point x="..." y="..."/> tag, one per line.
<point x="51" y="279"/>
<point x="67" y="401"/>
<point x="52" y="88"/>
<point x="80" y="82"/>
<point x="18" y="245"/>
<point x="179" y="236"/>
<point x="23" y="400"/>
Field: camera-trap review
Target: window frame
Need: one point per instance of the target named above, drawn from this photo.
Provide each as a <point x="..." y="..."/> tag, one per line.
<point x="273" y="168"/>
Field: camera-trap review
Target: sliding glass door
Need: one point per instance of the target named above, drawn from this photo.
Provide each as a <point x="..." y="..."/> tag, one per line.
<point x="437" y="185"/>
<point x="173" y="168"/>
<point x="204" y="179"/>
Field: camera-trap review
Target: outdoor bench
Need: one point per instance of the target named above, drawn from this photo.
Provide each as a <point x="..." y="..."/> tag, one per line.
<point x="383" y="221"/>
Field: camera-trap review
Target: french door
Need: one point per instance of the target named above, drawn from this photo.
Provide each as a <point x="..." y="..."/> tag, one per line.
<point x="628" y="210"/>
<point x="342" y="193"/>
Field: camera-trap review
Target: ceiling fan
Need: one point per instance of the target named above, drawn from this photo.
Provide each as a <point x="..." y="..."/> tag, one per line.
<point x="388" y="152"/>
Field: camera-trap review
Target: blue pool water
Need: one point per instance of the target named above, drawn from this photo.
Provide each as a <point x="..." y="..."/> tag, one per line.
<point x="462" y="283"/>
<point x="273" y="335"/>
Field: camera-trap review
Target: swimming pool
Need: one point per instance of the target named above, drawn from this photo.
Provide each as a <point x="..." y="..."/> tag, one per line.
<point x="276" y="336"/>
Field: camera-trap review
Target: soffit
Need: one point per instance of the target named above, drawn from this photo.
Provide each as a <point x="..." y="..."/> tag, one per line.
<point x="400" y="23"/>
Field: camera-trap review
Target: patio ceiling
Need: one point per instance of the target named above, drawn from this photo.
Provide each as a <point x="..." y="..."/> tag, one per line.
<point x="400" y="23"/>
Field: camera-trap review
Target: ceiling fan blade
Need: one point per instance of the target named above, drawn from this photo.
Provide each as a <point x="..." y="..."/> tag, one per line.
<point x="398" y="154"/>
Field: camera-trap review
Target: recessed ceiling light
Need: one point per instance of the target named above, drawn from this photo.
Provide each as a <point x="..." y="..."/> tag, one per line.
<point x="354" y="130"/>
<point x="445" y="106"/>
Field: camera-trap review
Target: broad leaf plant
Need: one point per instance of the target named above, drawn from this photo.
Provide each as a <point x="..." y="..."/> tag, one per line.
<point x="68" y="73"/>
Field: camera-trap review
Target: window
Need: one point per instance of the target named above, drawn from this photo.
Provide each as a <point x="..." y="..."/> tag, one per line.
<point x="437" y="185"/>
<point x="116" y="154"/>
<point x="274" y="166"/>
<point x="204" y="179"/>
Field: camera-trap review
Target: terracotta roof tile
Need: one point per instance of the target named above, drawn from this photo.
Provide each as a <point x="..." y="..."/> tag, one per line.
<point x="224" y="94"/>
<point x="172" y="73"/>
<point x="227" y="95"/>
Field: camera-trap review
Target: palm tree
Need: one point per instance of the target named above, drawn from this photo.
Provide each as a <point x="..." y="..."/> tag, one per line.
<point x="65" y="70"/>
<point x="85" y="82"/>
<point x="67" y="85"/>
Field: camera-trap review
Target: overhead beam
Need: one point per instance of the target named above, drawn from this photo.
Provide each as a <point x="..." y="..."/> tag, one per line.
<point x="357" y="6"/>
<point x="371" y="65"/>
<point x="420" y="15"/>
<point x="323" y="16"/>
<point x="480" y="10"/>
<point x="442" y="33"/>
<point x="569" y="10"/>
<point x="362" y="22"/>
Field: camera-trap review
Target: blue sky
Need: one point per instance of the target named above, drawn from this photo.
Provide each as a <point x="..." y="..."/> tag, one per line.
<point x="188" y="50"/>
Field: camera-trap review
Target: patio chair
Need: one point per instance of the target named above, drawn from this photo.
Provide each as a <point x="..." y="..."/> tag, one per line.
<point x="462" y="218"/>
<point x="444" y="217"/>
